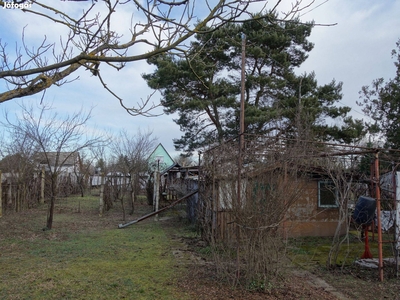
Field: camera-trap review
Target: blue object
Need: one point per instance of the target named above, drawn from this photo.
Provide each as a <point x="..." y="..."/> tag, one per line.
<point x="364" y="212"/>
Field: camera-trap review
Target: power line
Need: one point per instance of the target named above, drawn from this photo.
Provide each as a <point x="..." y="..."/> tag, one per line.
<point x="314" y="8"/>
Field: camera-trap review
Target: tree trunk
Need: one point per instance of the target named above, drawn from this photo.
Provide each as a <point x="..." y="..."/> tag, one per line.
<point x="123" y="209"/>
<point x="50" y="212"/>
<point x="81" y="187"/>
<point x="42" y="186"/>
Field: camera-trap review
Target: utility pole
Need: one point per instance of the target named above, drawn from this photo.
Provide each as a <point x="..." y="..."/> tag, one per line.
<point x="378" y="214"/>
<point x="242" y="94"/>
<point x="240" y="156"/>
<point x="299" y="117"/>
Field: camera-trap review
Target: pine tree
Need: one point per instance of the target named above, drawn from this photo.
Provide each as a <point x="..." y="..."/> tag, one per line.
<point x="204" y="88"/>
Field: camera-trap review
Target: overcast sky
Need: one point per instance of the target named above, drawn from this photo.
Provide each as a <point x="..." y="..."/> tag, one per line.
<point x="355" y="51"/>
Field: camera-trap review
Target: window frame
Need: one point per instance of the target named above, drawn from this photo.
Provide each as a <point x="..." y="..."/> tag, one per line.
<point x="334" y="192"/>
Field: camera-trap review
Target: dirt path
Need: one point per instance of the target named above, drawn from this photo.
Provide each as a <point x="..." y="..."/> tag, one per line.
<point x="319" y="283"/>
<point x="201" y="281"/>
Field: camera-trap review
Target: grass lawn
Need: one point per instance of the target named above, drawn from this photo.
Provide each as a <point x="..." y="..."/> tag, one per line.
<point x="85" y="256"/>
<point x="309" y="252"/>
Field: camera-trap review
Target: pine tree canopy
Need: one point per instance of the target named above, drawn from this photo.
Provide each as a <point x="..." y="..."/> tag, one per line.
<point x="203" y="86"/>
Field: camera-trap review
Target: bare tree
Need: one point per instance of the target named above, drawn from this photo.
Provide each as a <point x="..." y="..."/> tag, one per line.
<point x="131" y="152"/>
<point x="55" y="138"/>
<point x="344" y="176"/>
<point x="252" y="218"/>
<point x="86" y="167"/>
<point x="17" y="151"/>
<point x="92" y="35"/>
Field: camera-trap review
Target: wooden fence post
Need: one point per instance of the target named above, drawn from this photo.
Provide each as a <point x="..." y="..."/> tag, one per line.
<point x="133" y="185"/>
<point x="10" y="193"/>
<point x="156" y="192"/>
<point x="1" y="195"/>
<point x="101" y="206"/>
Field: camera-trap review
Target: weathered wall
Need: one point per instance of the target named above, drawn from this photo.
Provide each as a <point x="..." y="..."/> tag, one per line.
<point x="305" y="218"/>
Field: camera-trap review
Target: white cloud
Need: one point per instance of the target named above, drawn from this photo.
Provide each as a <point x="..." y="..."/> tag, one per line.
<point x="357" y="49"/>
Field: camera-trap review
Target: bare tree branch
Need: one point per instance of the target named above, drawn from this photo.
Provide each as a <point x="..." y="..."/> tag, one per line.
<point x="92" y="36"/>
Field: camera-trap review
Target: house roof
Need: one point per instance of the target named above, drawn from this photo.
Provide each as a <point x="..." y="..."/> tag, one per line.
<point x="65" y="158"/>
<point x="161" y="155"/>
<point x="175" y="167"/>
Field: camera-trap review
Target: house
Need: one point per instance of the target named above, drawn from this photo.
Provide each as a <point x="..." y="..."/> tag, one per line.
<point x="61" y="162"/>
<point x="302" y="206"/>
<point x="316" y="210"/>
<point x="281" y="189"/>
<point x="65" y="164"/>
<point x="175" y="180"/>
<point x="159" y="159"/>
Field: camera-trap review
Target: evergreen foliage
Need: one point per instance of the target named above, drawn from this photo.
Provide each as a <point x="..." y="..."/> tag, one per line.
<point x="204" y="87"/>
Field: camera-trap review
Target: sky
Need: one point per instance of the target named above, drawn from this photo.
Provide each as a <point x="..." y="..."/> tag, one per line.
<point x="355" y="51"/>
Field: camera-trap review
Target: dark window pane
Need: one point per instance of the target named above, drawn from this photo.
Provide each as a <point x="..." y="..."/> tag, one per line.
<point x="327" y="194"/>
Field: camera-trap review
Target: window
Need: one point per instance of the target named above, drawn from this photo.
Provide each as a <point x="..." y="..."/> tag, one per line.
<point x="327" y="194"/>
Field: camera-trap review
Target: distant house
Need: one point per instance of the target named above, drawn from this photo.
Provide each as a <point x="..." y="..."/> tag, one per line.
<point x="171" y="172"/>
<point x="174" y="179"/>
<point x="65" y="163"/>
<point x="160" y="159"/>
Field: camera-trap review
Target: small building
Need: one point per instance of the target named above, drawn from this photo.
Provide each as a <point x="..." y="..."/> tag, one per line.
<point x="64" y="163"/>
<point x="304" y="206"/>
<point x="159" y="159"/>
<point x="175" y="180"/>
<point x="315" y="212"/>
<point x="67" y="167"/>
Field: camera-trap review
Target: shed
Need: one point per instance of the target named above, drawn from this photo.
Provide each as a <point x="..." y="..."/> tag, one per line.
<point x="314" y="212"/>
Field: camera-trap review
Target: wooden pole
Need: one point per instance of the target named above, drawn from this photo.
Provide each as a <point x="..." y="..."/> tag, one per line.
<point x="10" y="193"/>
<point x="378" y="212"/>
<point x="156" y="192"/>
<point x="397" y="218"/>
<point x="241" y="148"/>
<point x="1" y="195"/>
<point x="157" y="211"/>
<point x="243" y="87"/>
<point x="133" y="185"/>
<point x="101" y="200"/>
<point x="215" y="199"/>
